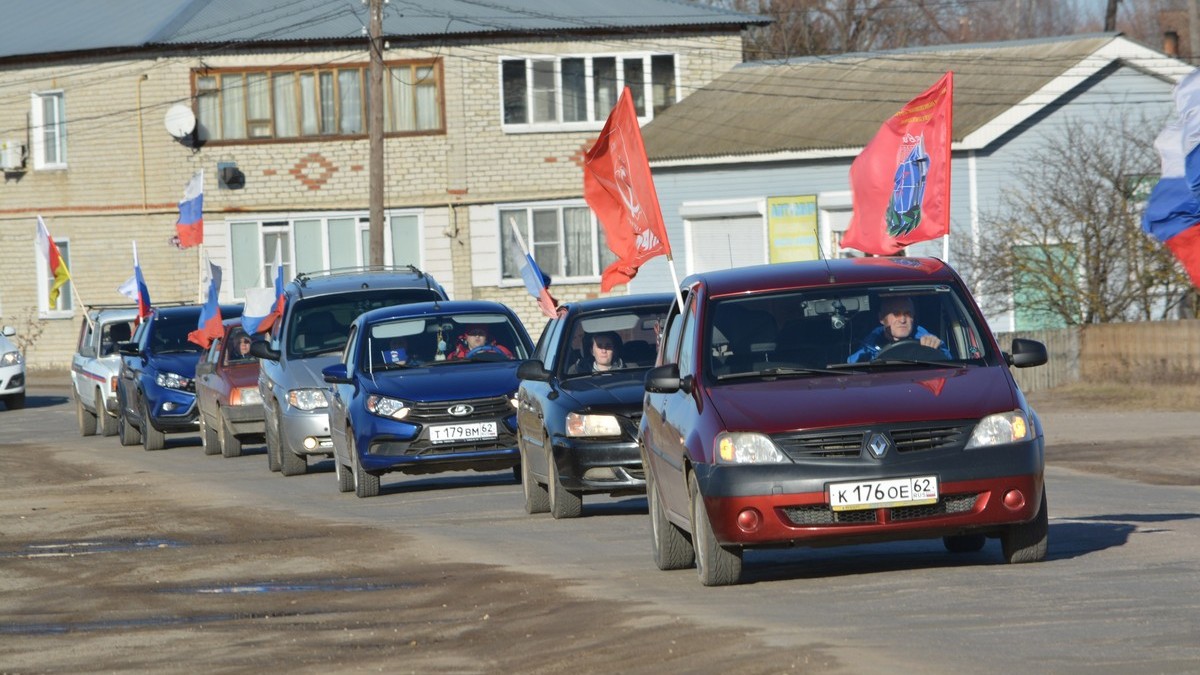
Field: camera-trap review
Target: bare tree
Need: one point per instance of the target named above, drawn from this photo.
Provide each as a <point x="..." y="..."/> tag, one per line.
<point x="1065" y="243"/>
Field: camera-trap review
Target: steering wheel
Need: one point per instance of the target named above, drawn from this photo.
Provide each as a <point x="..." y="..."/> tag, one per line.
<point x="487" y="350"/>
<point x="910" y="349"/>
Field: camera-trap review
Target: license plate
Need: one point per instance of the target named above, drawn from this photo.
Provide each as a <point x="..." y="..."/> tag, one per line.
<point x="447" y="433"/>
<point x="878" y="494"/>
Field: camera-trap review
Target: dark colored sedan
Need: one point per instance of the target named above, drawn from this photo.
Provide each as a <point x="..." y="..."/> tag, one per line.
<point x="580" y="402"/>
<point x="231" y="407"/>
<point x="837" y="402"/>
<point x="424" y="388"/>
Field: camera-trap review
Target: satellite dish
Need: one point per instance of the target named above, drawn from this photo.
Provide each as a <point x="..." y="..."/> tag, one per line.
<point x="180" y="121"/>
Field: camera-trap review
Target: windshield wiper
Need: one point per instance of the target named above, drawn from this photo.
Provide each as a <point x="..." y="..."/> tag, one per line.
<point x="777" y="372"/>
<point x="896" y="362"/>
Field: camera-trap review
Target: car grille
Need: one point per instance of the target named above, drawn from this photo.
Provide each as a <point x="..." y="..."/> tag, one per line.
<point x="822" y="515"/>
<point x="434" y="412"/>
<point x="848" y="443"/>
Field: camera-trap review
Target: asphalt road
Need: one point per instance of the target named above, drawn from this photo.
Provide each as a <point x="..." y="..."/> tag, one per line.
<point x="447" y="554"/>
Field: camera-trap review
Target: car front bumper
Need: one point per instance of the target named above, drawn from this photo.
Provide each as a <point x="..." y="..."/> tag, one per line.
<point x="592" y="465"/>
<point x="172" y="410"/>
<point x="12" y="379"/>
<point x="390" y="445"/>
<point x="245" y="420"/>
<point x="306" y="432"/>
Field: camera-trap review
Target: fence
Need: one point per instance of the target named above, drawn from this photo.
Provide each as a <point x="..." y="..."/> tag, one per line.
<point x="1129" y="353"/>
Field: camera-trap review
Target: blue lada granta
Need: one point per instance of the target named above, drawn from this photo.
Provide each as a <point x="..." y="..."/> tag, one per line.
<point x="425" y="388"/>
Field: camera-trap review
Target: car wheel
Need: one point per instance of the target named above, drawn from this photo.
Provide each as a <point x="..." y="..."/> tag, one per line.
<point x="345" y="474"/>
<point x="15" y="401"/>
<point x="86" y="420"/>
<point x="272" y="439"/>
<point x="130" y="435"/>
<point x="290" y="463"/>
<point x="1027" y="542"/>
<point x="231" y="445"/>
<point x="106" y="424"/>
<point x="672" y="548"/>
<point x="717" y="565"/>
<point x="365" y="485"/>
<point x="208" y="437"/>
<point x="964" y="543"/>
<point x="564" y="503"/>
<point x="537" y="500"/>
<point x="152" y="439"/>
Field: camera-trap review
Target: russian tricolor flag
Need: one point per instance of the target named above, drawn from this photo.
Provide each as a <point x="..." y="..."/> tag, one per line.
<point x="1172" y="212"/>
<point x="536" y="282"/>
<point x="190" y="226"/>
<point x="135" y="288"/>
<point x="264" y="305"/>
<point x="209" y="327"/>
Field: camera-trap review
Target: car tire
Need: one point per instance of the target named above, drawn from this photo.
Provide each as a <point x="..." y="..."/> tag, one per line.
<point x="15" y="401"/>
<point x="672" y="547"/>
<point x="964" y="543"/>
<point x="291" y="464"/>
<point x="716" y="565"/>
<point x="564" y="503"/>
<point x="344" y="472"/>
<point x="130" y="435"/>
<point x="365" y="485"/>
<point x="106" y="424"/>
<point x="537" y="499"/>
<point x="152" y="439"/>
<point x="208" y="437"/>
<point x="86" y="420"/>
<point x="1027" y="542"/>
<point x="273" y="436"/>
<point x="231" y="445"/>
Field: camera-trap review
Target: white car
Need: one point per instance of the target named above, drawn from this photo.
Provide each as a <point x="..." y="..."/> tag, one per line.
<point x="96" y="366"/>
<point x="12" y="371"/>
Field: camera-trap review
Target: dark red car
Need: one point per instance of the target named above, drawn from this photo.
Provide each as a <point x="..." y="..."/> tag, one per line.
<point x="231" y="407"/>
<point x="828" y="403"/>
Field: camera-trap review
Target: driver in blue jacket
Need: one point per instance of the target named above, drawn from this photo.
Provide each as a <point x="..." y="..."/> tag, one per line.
<point x="896" y="324"/>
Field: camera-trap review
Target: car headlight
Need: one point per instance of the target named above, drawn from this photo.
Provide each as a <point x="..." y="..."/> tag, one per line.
<point x="307" y="399"/>
<point x="245" y="396"/>
<point x="583" y="426"/>
<point x="387" y="407"/>
<point x="10" y="358"/>
<point x="172" y="381"/>
<point x="748" y="448"/>
<point x="999" y="429"/>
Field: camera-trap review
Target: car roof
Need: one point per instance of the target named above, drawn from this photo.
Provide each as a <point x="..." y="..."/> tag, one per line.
<point x="842" y="271"/>
<point x="621" y="302"/>
<point x="106" y="313"/>
<point x="227" y="311"/>
<point x="415" y="309"/>
<point x="342" y="280"/>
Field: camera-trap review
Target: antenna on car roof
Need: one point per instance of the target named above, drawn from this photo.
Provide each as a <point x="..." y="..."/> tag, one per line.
<point x="825" y="259"/>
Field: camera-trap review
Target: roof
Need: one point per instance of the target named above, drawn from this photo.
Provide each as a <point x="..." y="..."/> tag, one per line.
<point x="35" y="27"/>
<point x="351" y="279"/>
<point x="832" y="106"/>
<point x="621" y="302"/>
<point x="813" y="273"/>
<point x="417" y="309"/>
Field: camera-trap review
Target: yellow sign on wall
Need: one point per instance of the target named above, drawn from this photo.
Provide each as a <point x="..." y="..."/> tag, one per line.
<point x="792" y="228"/>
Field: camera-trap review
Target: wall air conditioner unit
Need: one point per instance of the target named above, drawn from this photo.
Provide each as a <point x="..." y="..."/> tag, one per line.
<point x="12" y="155"/>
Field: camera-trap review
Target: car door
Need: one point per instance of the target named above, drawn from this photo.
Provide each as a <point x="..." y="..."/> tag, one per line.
<point x="667" y="417"/>
<point x="131" y="371"/>
<point x="79" y="363"/>
<point x="206" y="381"/>
<point x="535" y="400"/>
<point x="341" y="397"/>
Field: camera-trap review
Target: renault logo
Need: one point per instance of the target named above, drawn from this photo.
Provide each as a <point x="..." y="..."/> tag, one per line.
<point x="460" y="410"/>
<point x="878" y="445"/>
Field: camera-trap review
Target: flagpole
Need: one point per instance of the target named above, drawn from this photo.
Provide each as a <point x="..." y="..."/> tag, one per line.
<point x="675" y="282"/>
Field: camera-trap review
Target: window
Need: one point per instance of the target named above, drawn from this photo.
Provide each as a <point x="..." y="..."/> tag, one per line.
<point x="578" y="92"/>
<point x="49" y="131"/>
<point x="64" y="305"/>
<point x="315" y="102"/>
<point x="564" y="240"/>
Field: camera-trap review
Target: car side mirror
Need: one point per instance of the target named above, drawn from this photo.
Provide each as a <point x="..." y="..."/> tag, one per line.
<point x="664" y="379"/>
<point x="204" y="368"/>
<point x="9" y="331"/>
<point x="335" y="374"/>
<point x="533" y="370"/>
<point x="263" y="351"/>
<point x="128" y="348"/>
<point x="1026" y="353"/>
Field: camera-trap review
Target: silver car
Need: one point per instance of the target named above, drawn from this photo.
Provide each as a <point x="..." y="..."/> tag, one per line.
<point x="318" y="310"/>
<point x="96" y="366"/>
<point x="12" y="371"/>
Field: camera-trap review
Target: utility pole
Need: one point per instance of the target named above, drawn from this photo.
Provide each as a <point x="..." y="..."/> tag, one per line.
<point x="375" y="130"/>
<point x="1110" y="16"/>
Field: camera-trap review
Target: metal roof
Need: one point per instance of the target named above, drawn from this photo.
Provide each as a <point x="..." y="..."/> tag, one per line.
<point x="827" y="106"/>
<point x="36" y="27"/>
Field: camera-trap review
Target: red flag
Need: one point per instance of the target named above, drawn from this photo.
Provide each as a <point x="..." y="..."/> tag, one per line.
<point x="901" y="180"/>
<point x="1186" y="247"/>
<point x="618" y="186"/>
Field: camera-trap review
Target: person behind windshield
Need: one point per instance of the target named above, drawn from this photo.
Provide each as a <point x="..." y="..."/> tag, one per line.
<point x="241" y="348"/>
<point x="605" y="356"/>
<point x="896" y="323"/>
<point x="474" y="338"/>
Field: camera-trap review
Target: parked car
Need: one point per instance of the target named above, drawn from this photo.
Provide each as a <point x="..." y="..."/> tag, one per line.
<point x="96" y="367"/>
<point x="318" y="310"/>
<point x="12" y="371"/>
<point x="426" y="388"/>
<point x="580" y="402"/>
<point x="765" y="425"/>
<point x="231" y="409"/>
<point x="157" y="388"/>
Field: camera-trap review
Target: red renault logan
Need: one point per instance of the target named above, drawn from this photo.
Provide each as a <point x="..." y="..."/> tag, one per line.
<point x="837" y="402"/>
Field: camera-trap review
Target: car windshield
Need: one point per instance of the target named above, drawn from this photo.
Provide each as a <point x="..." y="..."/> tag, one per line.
<point x="613" y="341"/>
<point x="170" y="334"/>
<point x="321" y="325"/>
<point x="848" y="329"/>
<point x="441" y="339"/>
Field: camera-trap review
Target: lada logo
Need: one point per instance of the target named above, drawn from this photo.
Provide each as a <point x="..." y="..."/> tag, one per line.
<point x="460" y="410"/>
<point x="878" y="445"/>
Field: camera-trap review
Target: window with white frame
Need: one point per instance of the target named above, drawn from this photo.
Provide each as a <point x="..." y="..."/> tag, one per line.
<point x="313" y="243"/>
<point x="564" y="240"/>
<point x="48" y="119"/>
<point x="64" y="305"/>
<point x="578" y="92"/>
<point x="314" y="102"/>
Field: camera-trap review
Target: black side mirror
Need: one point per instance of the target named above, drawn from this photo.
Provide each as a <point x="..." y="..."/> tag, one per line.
<point x="533" y="370"/>
<point x="336" y="374"/>
<point x="128" y="348"/>
<point x="664" y="379"/>
<point x="263" y="351"/>
<point x="1026" y="353"/>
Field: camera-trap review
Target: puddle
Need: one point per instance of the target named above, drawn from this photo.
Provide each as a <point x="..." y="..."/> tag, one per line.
<point x="119" y="624"/>
<point x="77" y="548"/>
<point x="349" y="585"/>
